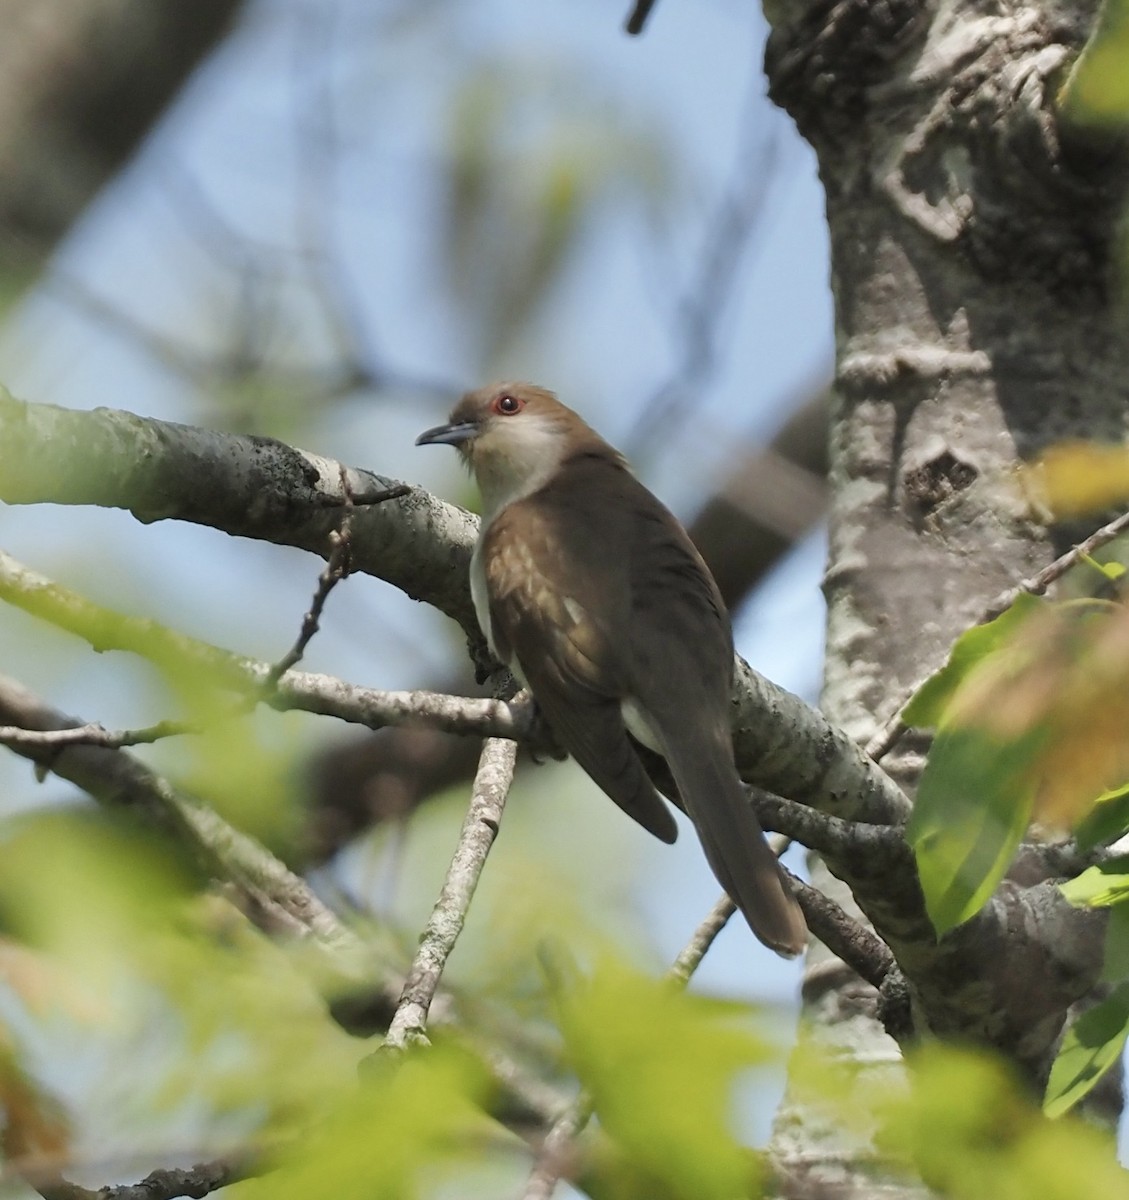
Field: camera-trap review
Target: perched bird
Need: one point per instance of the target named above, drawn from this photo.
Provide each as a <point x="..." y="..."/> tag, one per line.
<point x="592" y="593"/>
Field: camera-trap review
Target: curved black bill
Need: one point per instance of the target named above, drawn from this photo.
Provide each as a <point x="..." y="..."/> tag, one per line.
<point x="447" y="435"/>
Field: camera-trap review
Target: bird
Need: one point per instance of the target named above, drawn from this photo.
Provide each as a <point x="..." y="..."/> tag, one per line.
<point x="593" y="594"/>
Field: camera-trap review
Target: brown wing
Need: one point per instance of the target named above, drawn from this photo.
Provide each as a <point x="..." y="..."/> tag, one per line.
<point x="543" y="615"/>
<point x="635" y="570"/>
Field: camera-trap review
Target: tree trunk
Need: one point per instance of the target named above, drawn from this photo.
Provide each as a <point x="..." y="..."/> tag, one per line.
<point x="974" y="273"/>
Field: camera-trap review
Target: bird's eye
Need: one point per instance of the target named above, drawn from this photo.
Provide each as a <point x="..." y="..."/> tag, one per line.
<point x="507" y="405"/>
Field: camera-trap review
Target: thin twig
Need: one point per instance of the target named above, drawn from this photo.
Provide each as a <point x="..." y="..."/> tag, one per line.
<point x="558" y="1149"/>
<point x="318" y="158"/>
<point x="1041" y="580"/>
<point x="690" y="956"/>
<point x="637" y="18"/>
<point x="480" y="828"/>
<point x="895" y="728"/>
<point x="337" y="567"/>
<point x="94" y="734"/>
<point x="702" y="306"/>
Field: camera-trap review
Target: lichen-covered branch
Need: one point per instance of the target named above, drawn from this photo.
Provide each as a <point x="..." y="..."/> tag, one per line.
<point x="247" y="486"/>
<point x="480" y="828"/>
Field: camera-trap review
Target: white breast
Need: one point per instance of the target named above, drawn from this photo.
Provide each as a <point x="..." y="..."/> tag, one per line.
<point x="478" y="592"/>
<point x="639" y="725"/>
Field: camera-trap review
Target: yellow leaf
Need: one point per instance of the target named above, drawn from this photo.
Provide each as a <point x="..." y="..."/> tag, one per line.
<point x="1074" y="479"/>
<point x="1061" y="683"/>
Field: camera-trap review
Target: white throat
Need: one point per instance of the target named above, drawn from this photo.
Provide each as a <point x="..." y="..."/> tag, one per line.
<point x="515" y="460"/>
<point x="510" y="462"/>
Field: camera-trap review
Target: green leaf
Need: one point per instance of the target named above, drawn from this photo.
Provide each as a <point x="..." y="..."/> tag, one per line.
<point x="927" y="708"/>
<point x="1097" y="89"/>
<point x="661" y="1066"/>
<point x="969" y="817"/>
<point x="1091" y="1046"/>
<point x="1100" y="886"/>
<point x="1106" y="821"/>
<point x="1115" y="960"/>
<point x="1111" y="570"/>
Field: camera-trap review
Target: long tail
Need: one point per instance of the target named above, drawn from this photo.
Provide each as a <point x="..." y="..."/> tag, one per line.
<point x="733" y="840"/>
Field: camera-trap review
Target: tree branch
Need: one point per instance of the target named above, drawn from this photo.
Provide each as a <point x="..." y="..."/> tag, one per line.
<point x="105" y="629"/>
<point x="862" y="950"/>
<point x="257" y="487"/>
<point x="480" y="828"/>
<point x="94" y="734"/>
<point x="163" y="1184"/>
<point x="247" y="486"/>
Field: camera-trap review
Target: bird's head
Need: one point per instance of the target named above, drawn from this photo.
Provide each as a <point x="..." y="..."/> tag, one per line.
<point x="514" y="438"/>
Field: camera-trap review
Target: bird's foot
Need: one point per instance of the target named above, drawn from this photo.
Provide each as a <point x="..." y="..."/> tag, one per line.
<point x="542" y="743"/>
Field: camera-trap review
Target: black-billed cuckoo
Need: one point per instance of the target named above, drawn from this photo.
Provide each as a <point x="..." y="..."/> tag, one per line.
<point x="591" y="592"/>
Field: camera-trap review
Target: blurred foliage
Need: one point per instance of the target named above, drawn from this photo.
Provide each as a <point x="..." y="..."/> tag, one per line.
<point x="1097" y="87"/>
<point x="245" y="764"/>
<point x="971" y="1130"/>
<point x="1094" y="1042"/>
<point x="1078" y="479"/>
<point x="415" y="1128"/>
<point x="534" y="152"/>
<point x="110" y="933"/>
<point x="660" y="1066"/>
<point x="113" y="917"/>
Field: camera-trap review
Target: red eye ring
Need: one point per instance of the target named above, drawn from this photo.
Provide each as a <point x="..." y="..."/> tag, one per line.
<point x="506" y="405"/>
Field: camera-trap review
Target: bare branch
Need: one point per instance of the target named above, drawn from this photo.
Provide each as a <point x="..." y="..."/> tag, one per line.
<point x="480" y="828"/>
<point x="94" y="735"/>
<point x="703" y="305"/>
<point x="164" y="1184"/>
<point x="336" y="569"/>
<point x="781" y="743"/>
<point x="247" y="486"/>
<point x="857" y="946"/>
<point x="690" y="956"/>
